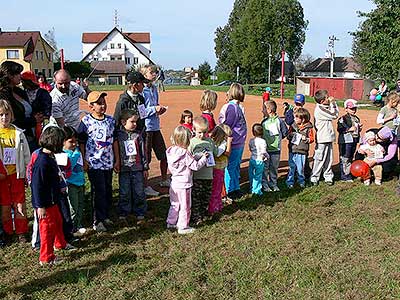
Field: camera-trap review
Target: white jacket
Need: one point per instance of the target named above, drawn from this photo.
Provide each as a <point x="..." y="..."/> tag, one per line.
<point x="23" y="155"/>
<point x="324" y="115"/>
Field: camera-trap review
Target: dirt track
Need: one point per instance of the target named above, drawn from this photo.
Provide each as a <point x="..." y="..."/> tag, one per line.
<point x="179" y="100"/>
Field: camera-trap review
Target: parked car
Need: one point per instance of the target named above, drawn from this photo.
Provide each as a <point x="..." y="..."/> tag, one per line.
<point x="176" y="81"/>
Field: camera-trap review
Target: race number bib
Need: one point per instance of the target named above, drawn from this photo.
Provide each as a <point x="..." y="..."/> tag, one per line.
<point x="296" y="138"/>
<point x="9" y="156"/>
<point x="273" y="129"/>
<point x="130" y="148"/>
<point x="142" y="111"/>
<point x="62" y="159"/>
<point x="210" y="160"/>
<point x="101" y="134"/>
<point x="348" y="138"/>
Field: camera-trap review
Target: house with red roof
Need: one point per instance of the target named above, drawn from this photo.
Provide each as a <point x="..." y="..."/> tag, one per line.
<point x="29" y="49"/>
<point x="112" y="54"/>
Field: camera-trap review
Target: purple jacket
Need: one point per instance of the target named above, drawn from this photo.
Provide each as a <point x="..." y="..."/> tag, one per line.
<point x="181" y="164"/>
<point x="232" y="115"/>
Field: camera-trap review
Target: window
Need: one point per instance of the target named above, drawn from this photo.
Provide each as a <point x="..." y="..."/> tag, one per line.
<point x="112" y="45"/>
<point x="41" y="55"/>
<point x="50" y="56"/>
<point x="135" y="60"/>
<point x="119" y="45"/>
<point x="37" y="55"/>
<point x="12" y="54"/>
<point x="36" y="71"/>
<point x="44" y="72"/>
<point x="127" y="60"/>
<point x="112" y="58"/>
<point x="50" y="73"/>
<point x="119" y="57"/>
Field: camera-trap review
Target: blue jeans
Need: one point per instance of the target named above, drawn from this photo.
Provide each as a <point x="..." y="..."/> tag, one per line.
<point x="346" y="153"/>
<point x="132" y="197"/>
<point x="232" y="171"/>
<point x="256" y="170"/>
<point x="101" y="192"/>
<point x="296" y="165"/>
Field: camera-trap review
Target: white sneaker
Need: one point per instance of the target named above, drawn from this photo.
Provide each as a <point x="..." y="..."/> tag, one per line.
<point x="171" y="226"/>
<point x="275" y="189"/>
<point x="82" y="230"/>
<point x="108" y="222"/>
<point x="165" y="183"/>
<point x="68" y="247"/>
<point x="367" y="182"/>
<point x="54" y="262"/>
<point x="266" y="189"/>
<point x="186" y="230"/>
<point x="378" y="182"/>
<point x="150" y="192"/>
<point x="99" y="227"/>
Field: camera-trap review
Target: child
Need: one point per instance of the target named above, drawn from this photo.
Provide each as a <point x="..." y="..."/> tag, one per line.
<point x="232" y="114"/>
<point x="267" y="94"/>
<point x="274" y="130"/>
<point x="202" y="179"/>
<point x="301" y="135"/>
<point x="15" y="156"/>
<point x="325" y="112"/>
<point x="299" y="101"/>
<point x="222" y="137"/>
<point x="181" y="164"/>
<point x="372" y="150"/>
<point x="349" y="128"/>
<point x="3" y="175"/>
<point x="134" y="167"/>
<point x="99" y="149"/>
<point x="388" y="114"/>
<point x="208" y="103"/>
<point x="187" y="119"/>
<point x="46" y="193"/>
<point x="258" y="150"/>
<point x="76" y="181"/>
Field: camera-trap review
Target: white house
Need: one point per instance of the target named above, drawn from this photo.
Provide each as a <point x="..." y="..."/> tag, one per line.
<point x="342" y="67"/>
<point x="133" y="48"/>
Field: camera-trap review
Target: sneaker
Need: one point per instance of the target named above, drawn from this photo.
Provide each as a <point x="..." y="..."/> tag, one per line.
<point x="68" y="247"/>
<point x="314" y="183"/>
<point x="99" y="227"/>
<point x="150" y="192"/>
<point x="171" y="226"/>
<point x="22" y="239"/>
<point x="82" y="230"/>
<point x="302" y="185"/>
<point x="186" y="230"/>
<point x="290" y="186"/>
<point x="108" y="222"/>
<point x="266" y="189"/>
<point x="2" y="243"/>
<point x="165" y="183"/>
<point x="140" y="218"/>
<point x="275" y="189"/>
<point x="329" y="182"/>
<point x="378" y="182"/>
<point x="54" y="262"/>
<point x="367" y="182"/>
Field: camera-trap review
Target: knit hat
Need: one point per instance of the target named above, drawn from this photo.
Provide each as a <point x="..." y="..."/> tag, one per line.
<point x="350" y="103"/>
<point x="385" y="133"/>
<point x="369" y="136"/>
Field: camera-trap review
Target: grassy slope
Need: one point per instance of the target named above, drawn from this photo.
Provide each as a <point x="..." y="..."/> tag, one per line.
<point x="323" y="242"/>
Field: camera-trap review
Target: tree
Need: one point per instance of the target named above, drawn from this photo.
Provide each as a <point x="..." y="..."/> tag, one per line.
<point x="252" y="26"/>
<point x="50" y="37"/>
<point x="302" y="61"/>
<point x="376" y="43"/>
<point x="204" y="71"/>
<point x="76" y="69"/>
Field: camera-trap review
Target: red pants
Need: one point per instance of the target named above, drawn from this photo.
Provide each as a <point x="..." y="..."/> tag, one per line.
<point x="12" y="195"/>
<point x="51" y="234"/>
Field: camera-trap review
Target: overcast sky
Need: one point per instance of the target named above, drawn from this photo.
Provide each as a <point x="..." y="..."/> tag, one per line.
<point x="182" y="32"/>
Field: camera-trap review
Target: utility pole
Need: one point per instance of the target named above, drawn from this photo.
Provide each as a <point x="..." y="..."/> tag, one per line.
<point x="331" y="51"/>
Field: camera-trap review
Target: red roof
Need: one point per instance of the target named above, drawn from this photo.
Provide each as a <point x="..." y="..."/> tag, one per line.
<point x="96" y="37"/>
<point x="17" y="38"/>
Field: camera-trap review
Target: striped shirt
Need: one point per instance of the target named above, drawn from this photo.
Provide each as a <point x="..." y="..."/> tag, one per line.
<point x="67" y="105"/>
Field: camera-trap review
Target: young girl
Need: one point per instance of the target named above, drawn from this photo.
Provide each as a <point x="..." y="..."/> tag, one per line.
<point x="232" y="114"/>
<point x="258" y="149"/>
<point x="181" y="164"/>
<point x="187" y="119"/>
<point x="388" y="114"/>
<point x="3" y="175"/>
<point x="76" y="182"/>
<point x="221" y="135"/>
<point x="46" y="193"/>
<point x="15" y="156"/>
<point x="208" y="103"/>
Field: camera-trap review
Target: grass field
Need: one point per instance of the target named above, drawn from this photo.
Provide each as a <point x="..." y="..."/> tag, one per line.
<point x="339" y="242"/>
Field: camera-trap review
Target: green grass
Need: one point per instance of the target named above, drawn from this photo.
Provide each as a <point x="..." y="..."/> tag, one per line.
<point x="322" y="242"/>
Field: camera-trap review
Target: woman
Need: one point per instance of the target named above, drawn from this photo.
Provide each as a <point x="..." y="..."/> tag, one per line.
<point x="10" y="78"/>
<point x="43" y="84"/>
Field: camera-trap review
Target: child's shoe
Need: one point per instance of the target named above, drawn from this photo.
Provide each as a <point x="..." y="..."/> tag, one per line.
<point x="186" y="230"/>
<point x="378" y="182"/>
<point x="171" y="226"/>
<point x="149" y="191"/>
<point x="54" y="262"/>
<point x="367" y="182"/>
<point x="99" y="227"/>
<point x="22" y="239"/>
<point x="275" y="189"/>
<point x="108" y="222"/>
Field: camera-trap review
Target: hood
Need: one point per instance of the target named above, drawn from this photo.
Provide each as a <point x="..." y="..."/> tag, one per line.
<point x="175" y="154"/>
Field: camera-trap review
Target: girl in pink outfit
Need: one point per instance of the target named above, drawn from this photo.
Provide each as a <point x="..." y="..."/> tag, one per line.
<point x="181" y="164"/>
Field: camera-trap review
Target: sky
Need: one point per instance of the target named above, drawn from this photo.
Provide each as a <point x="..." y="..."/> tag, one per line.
<point x="182" y="32"/>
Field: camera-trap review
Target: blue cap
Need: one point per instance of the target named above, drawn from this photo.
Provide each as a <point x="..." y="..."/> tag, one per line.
<point x="268" y="89"/>
<point x="299" y="98"/>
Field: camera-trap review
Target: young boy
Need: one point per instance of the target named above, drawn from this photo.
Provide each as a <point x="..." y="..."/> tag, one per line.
<point x="325" y="112"/>
<point x="301" y="135"/>
<point x="349" y="128"/>
<point x="96" y="133"/>
<point x="274" y="130"/>
<point x="154" y="138"/>
<point x="202" y="179"/>
<point x="299" y="101"/>
<point x="134" y="168"/>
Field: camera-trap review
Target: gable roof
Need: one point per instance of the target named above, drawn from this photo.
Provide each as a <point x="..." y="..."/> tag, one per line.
<point x="108" y="67"/>
<point x="97" y="37"/>
<point x="340" y="64"/>
<point x="18" y="38"/>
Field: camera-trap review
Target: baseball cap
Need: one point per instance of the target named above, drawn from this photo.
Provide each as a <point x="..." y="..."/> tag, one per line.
<point x="136" y="77"/>
<point x="94" y="96"/>
<point x="29" y="75"/>
<point x="299" y="98"/>
<point x="350" y="103"/>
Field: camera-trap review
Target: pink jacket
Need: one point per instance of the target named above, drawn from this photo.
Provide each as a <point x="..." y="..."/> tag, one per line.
<point x="181" y="164"/>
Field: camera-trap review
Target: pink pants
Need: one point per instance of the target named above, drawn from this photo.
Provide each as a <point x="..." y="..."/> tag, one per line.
<point x="179" y="211"/>
<point x="215" y="204"/>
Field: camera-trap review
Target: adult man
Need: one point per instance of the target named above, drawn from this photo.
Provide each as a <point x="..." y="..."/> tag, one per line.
<point x="65" y="99"/>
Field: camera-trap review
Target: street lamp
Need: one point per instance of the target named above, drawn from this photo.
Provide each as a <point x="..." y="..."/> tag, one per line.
<point x="269" y="60"/>
<point x="331" y="51"/>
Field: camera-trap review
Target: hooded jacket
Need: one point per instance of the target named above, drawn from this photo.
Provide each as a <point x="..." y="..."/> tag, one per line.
<point x="181" y="164"/>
